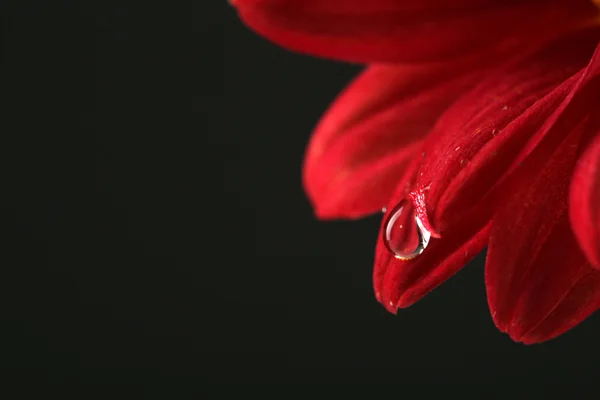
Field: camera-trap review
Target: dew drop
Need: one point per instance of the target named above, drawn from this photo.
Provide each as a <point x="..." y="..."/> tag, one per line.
<point x="403" y="234"/>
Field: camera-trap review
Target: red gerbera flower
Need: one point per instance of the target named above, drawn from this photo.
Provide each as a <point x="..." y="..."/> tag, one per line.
<point x="475" y="124"/>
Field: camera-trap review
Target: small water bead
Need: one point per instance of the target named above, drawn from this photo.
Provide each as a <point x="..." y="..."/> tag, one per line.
<point x="403" y="234"/>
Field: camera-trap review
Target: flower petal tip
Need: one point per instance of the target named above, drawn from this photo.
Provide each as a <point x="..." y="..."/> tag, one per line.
<point x="527" y="341"/>
<point x="408" y="299"/>
<point x="516" y="336"/>
<point x="391" y="307"/>
<point x="323" y="215"/>
<point x="378" y="295"/>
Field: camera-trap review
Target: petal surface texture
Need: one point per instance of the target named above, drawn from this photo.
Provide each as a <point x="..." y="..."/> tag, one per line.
<point x="400" y="31"/>
<point x="469" y="155"/>
<point x="364" y="142"/>
<point x="484" y="134"/>
<point x="585" y="202"/>
<point x="539" y="282"/>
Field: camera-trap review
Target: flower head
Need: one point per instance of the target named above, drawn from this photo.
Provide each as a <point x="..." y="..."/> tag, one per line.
<point x="475" y="123"/>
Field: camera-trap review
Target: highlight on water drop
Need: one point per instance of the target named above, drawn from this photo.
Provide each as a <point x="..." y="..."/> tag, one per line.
<point x="404" y="234"/>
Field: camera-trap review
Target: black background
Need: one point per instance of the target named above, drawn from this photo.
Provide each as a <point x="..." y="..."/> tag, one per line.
<point x="148" y="242"/>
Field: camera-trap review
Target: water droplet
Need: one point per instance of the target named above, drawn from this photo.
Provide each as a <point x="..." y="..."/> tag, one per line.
<point x="383" y="209"/>
<point x="403" y="234"/>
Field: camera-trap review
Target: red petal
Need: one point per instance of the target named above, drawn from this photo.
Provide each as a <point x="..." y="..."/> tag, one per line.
<point x="389" y="30"/>
<point x="585" y="202"/>
<point x="533" y="260"/>
<point x="363" y="143"/>
<point x="482" y="135"/>
<point x="402" y="283"/>
<point x="399" y="284"/>
<point x="581" y="301"/>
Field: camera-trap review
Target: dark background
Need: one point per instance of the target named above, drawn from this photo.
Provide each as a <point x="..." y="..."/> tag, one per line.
<point x="147" y="242"/>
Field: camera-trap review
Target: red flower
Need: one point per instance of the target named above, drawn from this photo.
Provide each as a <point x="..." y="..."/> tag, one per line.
<point x="475" y="124"/>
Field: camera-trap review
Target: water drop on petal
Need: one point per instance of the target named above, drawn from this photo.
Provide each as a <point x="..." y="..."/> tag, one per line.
<point x="404" y="234"/>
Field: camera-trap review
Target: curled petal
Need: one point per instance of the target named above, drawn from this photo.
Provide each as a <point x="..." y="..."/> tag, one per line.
<point x="389" y="30"/>
<point x="363" y="143"/>
<point x="535" y="269"/>
<point x="584" y="202"/>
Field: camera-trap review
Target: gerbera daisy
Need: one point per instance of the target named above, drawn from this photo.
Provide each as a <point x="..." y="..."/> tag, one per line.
<point x="474" y="124"/>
